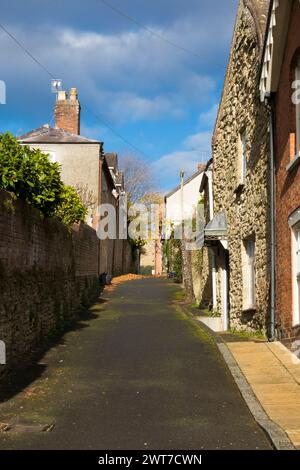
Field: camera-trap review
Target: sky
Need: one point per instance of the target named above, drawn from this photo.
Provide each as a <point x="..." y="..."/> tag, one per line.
<point x="158" y="101"/>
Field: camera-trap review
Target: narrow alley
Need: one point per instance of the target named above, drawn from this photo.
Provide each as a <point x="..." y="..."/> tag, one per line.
<point x="134" y="373"/>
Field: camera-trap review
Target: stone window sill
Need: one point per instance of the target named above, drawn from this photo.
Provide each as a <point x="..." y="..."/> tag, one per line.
<point x="248" y="310"/>
<point x="293" y="164"/>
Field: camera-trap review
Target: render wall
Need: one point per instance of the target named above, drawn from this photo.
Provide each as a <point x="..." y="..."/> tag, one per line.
<point x="79" y="167"/>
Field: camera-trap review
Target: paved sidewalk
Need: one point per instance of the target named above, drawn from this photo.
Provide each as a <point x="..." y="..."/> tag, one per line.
<point x="273" y="373"/>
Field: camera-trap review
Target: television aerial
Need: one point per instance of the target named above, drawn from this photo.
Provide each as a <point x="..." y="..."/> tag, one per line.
<point x="56" y="85"/>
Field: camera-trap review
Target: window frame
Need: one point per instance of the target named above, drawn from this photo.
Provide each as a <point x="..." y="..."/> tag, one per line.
<point x="242" y="157"/>
<point x="295" y="248"/>
<point x="297" y="105"/>
<point x="249" y="274"/>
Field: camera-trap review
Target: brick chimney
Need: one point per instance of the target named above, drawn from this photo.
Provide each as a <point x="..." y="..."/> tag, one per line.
<point x="67" y="111"/>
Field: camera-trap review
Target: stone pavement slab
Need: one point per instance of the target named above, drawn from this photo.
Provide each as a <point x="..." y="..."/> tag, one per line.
<point x="273" y="373"/>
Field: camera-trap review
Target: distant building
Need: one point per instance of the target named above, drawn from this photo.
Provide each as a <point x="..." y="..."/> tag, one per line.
<point x="181" y="203"/>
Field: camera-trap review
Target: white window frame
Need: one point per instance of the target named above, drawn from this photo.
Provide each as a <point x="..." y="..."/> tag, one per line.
<point x="243" y="156"/>
<point x="249" y="274"/>
<point x="297" y="77"/>
<point x="250" y="251"/>
<point x="296" y="275"/>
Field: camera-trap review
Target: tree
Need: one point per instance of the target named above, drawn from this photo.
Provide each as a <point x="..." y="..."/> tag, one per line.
<point x="139" y="180"/>
<point x="31" y="176"/>
<point x="87" y="196"/>
<point x="71" y="210"/>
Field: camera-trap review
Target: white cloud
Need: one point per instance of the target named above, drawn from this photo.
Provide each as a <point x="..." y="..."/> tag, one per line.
<point x="208" y="118"/>
<point x="196" y="149"/>
<point x="128" y="76"/>
<point x="168" y="167"/>
<point x="200" y="141"/>
<point x="95" y="132"/>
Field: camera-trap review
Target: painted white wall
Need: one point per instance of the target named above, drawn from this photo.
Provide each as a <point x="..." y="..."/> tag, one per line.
<point x="191" y="196"/>
<point x="79" y="165"/>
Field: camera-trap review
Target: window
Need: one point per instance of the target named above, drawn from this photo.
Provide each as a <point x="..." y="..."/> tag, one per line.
<point x="296" y="273"/>
<point x="242" y="157"/>
<point x="297" y="103"/>
<point x="249" y="274"/>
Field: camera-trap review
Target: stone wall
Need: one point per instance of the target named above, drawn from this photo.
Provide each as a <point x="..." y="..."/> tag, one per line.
<point x="47" y="273"/>
<point x="203" y="280"/>
<point x="246" y="206"/>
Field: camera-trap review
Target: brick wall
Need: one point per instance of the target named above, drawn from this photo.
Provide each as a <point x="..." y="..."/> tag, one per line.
<point x="46" y="274"/>
<point x="288" y="184"/>
<point x="67" y="112"/>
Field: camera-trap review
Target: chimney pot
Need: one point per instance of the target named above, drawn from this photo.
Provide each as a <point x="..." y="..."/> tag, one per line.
<point x="61" y="96"/>
<point x="73" y="95"/>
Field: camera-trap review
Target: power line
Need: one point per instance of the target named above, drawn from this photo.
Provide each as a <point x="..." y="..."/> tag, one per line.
<point x="27" y="51"/>
<point x="45" y="69"/>
<point x="106" y="124"/>
<point x="149" y="30"/>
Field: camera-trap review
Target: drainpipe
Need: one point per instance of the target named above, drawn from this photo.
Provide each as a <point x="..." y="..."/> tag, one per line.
<point x="212" y="252"/>
<point x="214" y="278"/>
<point x="272" y="329"/>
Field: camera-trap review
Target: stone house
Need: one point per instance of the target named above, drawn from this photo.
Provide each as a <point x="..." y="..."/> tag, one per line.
<point x="280" y="91"/>
<point x="85" y="166"/>
<point x="239" y="232"/>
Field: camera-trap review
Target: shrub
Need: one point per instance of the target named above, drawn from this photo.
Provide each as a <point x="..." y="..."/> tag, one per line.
<point x="71" y="208"/>
<point x="29" y="174"/>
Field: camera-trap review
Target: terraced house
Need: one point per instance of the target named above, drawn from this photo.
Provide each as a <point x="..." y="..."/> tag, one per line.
<point x="280" y="84"/>
<point x="239" y="233"/>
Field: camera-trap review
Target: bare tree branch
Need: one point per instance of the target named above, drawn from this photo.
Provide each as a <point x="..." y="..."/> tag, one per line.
<point x="139" y="178"/>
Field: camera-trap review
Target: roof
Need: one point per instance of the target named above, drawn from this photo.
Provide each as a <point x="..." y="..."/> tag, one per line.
<point x="112" y="160"/>
<point x="191" y="178"/>
<point x="50" y="135"/>
<point x="217" y="227"/>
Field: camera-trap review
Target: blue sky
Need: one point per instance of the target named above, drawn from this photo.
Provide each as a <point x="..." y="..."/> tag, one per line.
<point x="161" y="99"/>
